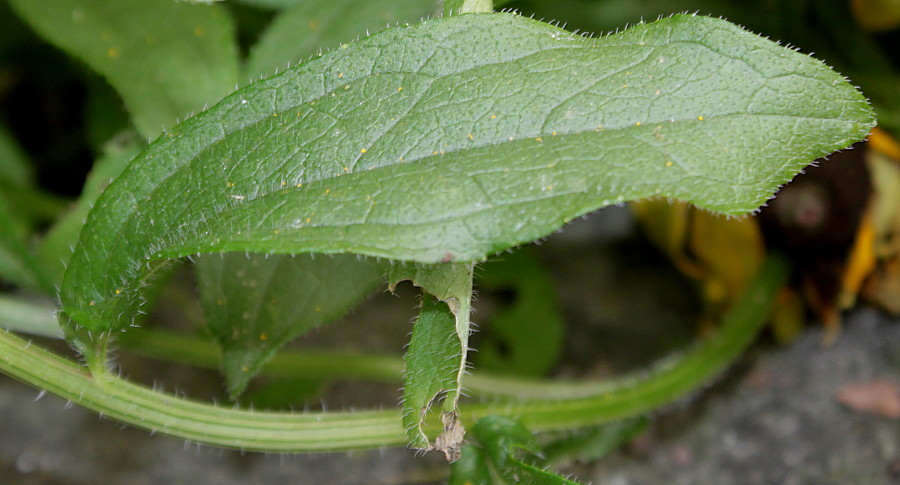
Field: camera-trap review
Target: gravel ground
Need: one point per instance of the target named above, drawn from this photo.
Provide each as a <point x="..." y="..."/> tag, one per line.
<point x="779" y="422"/>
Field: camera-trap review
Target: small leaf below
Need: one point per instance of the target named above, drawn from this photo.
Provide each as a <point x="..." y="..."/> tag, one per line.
<point x="501" y="440"/>
<point x="432" y="371"/>
<point x="256" y="303"/>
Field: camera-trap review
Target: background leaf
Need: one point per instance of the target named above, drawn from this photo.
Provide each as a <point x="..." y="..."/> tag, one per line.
<point x="16" y="263"/>
<point x="15" y="169"/>
<point x="471" y="468"/>
<point x="427" y="143"/>
<point x="165" y="58"/>
<point x="525" y="336"/>
<point x="17" y="196"/>
<point x="595" y="443"/>
<point x="27" y="203"/>
<point x="305" y="27"/>
<point x="271" y="4"/>
<point x="243" y="300"/>
<point x="453" y="7"/>
<point x="57" y="246"/>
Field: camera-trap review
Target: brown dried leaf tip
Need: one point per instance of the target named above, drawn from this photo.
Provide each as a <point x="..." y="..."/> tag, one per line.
<point x="451" y="439"/>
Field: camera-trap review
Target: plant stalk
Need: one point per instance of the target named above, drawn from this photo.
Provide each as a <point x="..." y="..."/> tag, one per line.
<point x="112" y="396"/>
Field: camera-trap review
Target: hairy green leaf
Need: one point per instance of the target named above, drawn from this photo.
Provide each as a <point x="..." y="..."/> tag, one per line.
<point x="150" y="51"/>
<point x="428" y="143"/>
<point x="299" y="31"/>
<point x="432" y="367"/>
<point x="471" y="468"/>
<point x="254" y="306"/>
<point x="436" y="357"/>
<point x="501" y="439"/>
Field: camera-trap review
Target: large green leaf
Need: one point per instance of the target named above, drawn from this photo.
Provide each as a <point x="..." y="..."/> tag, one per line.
<point x="165" y="58"/>
<point x="243" y="302"/>
<point x="820" y="27"/>
<point x="460" y="137"/>
<point x="299" y="31"/>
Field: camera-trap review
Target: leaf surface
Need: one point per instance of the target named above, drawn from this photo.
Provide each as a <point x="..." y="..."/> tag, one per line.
<point x="150" y="51"/>
<point x="428" y="143"/>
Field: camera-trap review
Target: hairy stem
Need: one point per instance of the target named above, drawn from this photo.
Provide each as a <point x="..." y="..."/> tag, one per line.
<point x="112" y="396"/>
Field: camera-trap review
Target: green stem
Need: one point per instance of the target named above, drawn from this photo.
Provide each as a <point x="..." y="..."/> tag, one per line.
<point x="202" y="352"/>
<point x="112" y="396"/>
<point x="665" y="383"/>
